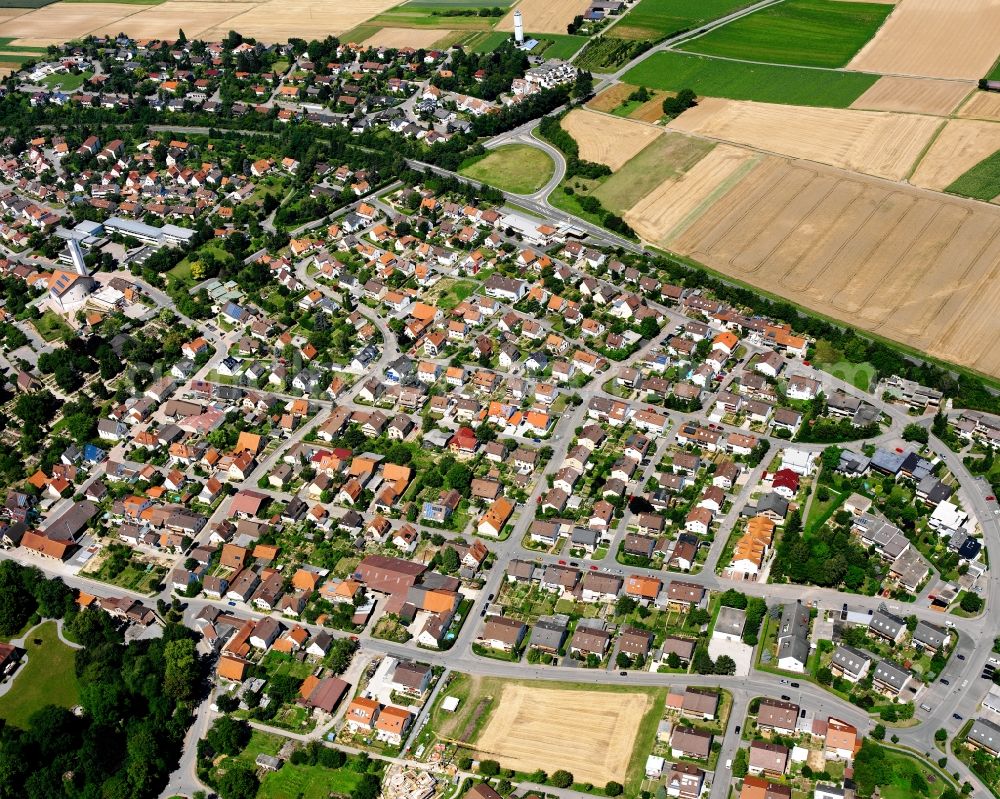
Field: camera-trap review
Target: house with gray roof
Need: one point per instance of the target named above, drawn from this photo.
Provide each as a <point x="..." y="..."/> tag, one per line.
<point x="930" y="637"/>
<point x="549" y="633"/>
<point x="886" y="625"/>
<point x="850" y="663"/>
<point x="793" y="637"/>
<point x="985" y="734"/>
<point x="890" y="679"/>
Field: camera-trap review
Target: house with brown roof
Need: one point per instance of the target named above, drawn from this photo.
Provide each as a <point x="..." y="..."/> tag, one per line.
<point x="777" y="715"/>
<point x="690" y="743"/>
<point x="494" y="520"/>
<point x="683" y="595"/>
<point x="768" y="758"/>
<point x="503" y="633"/>
<point x="700" y="703"/>
<point x="589" y="641"/>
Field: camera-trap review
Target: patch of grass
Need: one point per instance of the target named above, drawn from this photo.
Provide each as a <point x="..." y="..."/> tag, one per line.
<point x="48" y="678"/>
<point x="904" y="768"/>
<point x="67" y="82"/>
<point x="25" y="3"/>
<point x="713" y="77"/>
<point x="308" y="782"/>
<point x="820" y="511"/>
<point x="569" y="203"/>
<point x="982" y="182"/>
<point x="51" y="326"/>
<point x="451" y="4"/>
<point x="657" y="19"/>
<point x="486" y="42"/>
<point x="517" y="168"/>
<point x="558" y="45"/>
<point x="667" y="156"/>
<point x="422" y="16"/>
<point x="818" y="33"/>
<point x="360" y="33"/>
<point x="454" y="293"/>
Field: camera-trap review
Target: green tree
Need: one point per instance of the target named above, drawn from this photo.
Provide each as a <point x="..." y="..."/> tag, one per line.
<point x="228" y="736"/>
<point x="238" y="782"/>
<point x="561" y="779"/>
<point x="971" y="603"/>
<point x="878" y="732"/>
<point x="180" y="669"/>
<point x="916" y="432"/>
<point x="613" y="789"/>
<point x="489" y="768"/>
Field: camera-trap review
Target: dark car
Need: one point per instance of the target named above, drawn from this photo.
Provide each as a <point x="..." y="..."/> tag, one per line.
<point x="623" y="674"/>
<point x="956" y="716"/>
<point x="737" y="729"/>
<point x="944" y="681"/>
<point x="795" y="685"/>
<point x="785" y="697"/>
<point x="960" y="656"/>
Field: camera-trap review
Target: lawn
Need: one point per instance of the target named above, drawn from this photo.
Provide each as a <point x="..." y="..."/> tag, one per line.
<point x="51" y="326"/>
<point x="820" y="511"/>
<point x="517" y="168"/>
<point x="817" y="33"/>
<point x="454" y="292"/>
<point x="712" y="77"/>
<point x="904" y="767"/>
<point x="48" y="678"/>
<point x="428" y="15"/>
<point x="982" y="181"/>
<point x="308" y="782"/>
<point x="67" y="82"/>
<point x="657" y="19"/>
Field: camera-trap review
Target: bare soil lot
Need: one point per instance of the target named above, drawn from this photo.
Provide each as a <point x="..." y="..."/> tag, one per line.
<point x="961" y="145"/>
<point x="588" y="733"/>
<point x="607" y="139"/>
<point x="875" y="143"/>
<point x="544" y="16"/>
<point x="914" y="95"/>
<point x="935" y="38"/>
<point x="911" y="265"/>
<point x="982" y="105"/>
<point x="60" y="22"/>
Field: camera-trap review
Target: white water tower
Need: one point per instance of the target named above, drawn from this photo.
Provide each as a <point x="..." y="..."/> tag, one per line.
<point x="518" y="28"/>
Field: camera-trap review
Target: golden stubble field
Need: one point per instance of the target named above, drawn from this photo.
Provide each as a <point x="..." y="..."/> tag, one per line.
<point x="271" y="20"/>
<point x="591" y="734"/>
<point x="914" y="266"/>
<point x="936" y="39"/>
<point x="982" y="105"/>
<point x="607" y="139"/>
<point x="544" y="16"/>
<point x="960" y="146"/>
<point x="914" y="95"/>
<point x="875" y="143"/>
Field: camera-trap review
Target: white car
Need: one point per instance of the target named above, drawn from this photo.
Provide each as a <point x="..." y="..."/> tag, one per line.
<point x="729" y="763"/>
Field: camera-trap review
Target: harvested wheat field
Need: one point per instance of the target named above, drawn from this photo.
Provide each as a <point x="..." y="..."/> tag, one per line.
<point x="914" y="95"/>
<point x="591" y="734"/>
<point x="665" y="211"/>
<point x="651" y="110"/>
<point x="612" y="97"/>
<point x="875" y="143"/>
<point x="163" y="21"/>
<point x="935" y="39"/>
<point x="607" y="139"/>
<point x="911" y="265"/>
<point x="982" y="105"/>
<point x="544" y="16"/>
<point x="61" y="22"/>
<point x="961" y="145"/>
<point x="279" y="20"/>
<point x="406" y="37"/>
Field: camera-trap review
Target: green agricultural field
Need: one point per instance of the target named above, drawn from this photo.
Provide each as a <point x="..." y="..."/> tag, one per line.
<point x="48" y="678"/>
<point x="981" y="182"/>
<point x="657" y="19"/>
<point x="517" y="168"/>
<point x="558" y="45"/>
<point x="665" y="157"/>
<point x="485" y="42"/>
<point x="816" y="33"/>
<point x="65" y="81"/>
<point x="713" y="77"/>
<point x="25" y="3"/>
<point x="442" y="14"/>
<point x="606" y="53"/>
